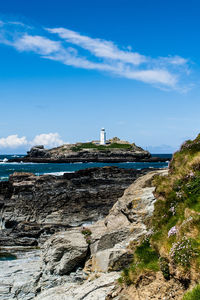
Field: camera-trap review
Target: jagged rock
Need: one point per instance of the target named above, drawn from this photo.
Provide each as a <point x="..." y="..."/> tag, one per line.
<point x="38" y="151"/>
<point x="33" y="207"/>
<point x="95" y="289"/>
<point x="111" y="260"/>
<point x="64" y="252"/>
<point x="125" y="222"/>
<point x="109" y="240"/>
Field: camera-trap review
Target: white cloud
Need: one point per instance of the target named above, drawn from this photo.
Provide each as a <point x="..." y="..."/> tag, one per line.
<point x="38" y="44"/>
<point x="163" y="72"/>
<point x="13" y="141"/>
<point x="48" y="140"/>
<point x="99" y="47"/>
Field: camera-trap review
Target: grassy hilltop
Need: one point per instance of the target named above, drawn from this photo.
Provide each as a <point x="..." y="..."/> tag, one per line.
<point x="173" y="246"/>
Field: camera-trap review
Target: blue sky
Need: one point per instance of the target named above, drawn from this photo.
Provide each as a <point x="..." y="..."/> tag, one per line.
<point x="68" y="68"/>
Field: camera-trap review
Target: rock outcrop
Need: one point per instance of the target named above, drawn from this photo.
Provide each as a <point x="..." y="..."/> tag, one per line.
<point x="34" y="207"/>
<point x="108" y="244"/>
<point x="86" y="152"/>
<point x="64" y="252"/>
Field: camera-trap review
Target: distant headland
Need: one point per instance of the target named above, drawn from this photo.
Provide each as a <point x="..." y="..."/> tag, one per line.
<point x="108" y="151"/>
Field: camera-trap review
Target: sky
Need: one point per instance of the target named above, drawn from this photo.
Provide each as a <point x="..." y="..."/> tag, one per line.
<point x="69" y="68"/>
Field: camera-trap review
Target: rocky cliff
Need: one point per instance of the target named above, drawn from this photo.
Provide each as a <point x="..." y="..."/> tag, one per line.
<point x="32" y="207"/>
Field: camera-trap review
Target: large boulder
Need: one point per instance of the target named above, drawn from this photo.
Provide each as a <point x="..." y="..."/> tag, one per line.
<point x="64" y="252"/>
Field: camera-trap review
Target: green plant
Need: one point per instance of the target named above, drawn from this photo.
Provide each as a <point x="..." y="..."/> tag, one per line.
<point x="79" y="147"/>
<point x="87" y="234"/>
<point x="193" y="294"/>
<point x="145" y="259"/>
<point x="164" y="267"/>
<point x="183" y="251"/>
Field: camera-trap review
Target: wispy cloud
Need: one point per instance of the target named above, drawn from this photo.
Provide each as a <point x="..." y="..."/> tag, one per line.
<point x="74" y="49"/>
<point x="98" y="47"/>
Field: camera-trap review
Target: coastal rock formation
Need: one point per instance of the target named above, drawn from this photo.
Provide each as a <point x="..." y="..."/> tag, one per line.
<point x="102" y="250"/>
<point x="86" y="152"/>
<point x="96" y="288"/>
<point x="34" y="207"/>
<point x="64" y="252"/>
<point x="109" y="239"/>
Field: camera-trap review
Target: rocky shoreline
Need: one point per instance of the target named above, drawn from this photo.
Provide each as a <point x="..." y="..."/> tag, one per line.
<point x="34" y="207"/>
<point x="80" y="260"/>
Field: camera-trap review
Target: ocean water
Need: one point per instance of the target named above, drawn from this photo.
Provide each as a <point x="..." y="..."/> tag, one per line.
<point x="7" y="169"/>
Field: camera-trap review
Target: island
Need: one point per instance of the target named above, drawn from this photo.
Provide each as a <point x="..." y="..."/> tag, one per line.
<point x="111" y="151"/>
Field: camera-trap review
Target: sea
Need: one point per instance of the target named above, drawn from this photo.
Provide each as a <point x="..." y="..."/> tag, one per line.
<point x="7" y="168"/>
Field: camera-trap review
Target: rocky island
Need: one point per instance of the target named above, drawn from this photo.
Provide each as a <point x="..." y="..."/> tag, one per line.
<point x="113" y="151"/>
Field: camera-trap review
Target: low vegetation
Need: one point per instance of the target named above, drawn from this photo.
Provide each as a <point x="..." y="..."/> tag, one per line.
<point x="82" y="146"/>
<point x="194" y="294"/>
<point x="87" y="234"/>
<point x="145" y="260"/>
<point x="175" y="226"/>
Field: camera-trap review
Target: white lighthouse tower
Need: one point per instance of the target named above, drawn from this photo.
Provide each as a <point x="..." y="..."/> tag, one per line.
<point x="102" y="137"/>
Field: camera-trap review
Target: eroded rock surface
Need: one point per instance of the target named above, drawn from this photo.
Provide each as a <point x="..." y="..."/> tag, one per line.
<point x="33" y="207"/>
<point x="16" y="275"/>
<point x="64" y="252"/>
<point x="95" y="289"/>
<point x="60" y="278"/>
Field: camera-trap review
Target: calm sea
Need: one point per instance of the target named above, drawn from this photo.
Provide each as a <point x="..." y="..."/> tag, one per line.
<point x="7" y="169"/>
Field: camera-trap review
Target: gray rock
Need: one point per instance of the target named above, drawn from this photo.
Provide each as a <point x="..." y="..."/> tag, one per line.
<point x="111" y="260"/>
<point x="95" y="289"/>
<point x="34" y="207"/>
<point x="16" y="276"/>
<point x="64" y="252"/>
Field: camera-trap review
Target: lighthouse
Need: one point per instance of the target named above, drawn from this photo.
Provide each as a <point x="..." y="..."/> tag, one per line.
<point x="102" y="137"/>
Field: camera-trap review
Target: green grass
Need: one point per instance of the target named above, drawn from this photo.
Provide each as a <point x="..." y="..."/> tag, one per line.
<point x="145" y="259"/>
<point x="194" y="294"/>
<point x="82" y="146"/>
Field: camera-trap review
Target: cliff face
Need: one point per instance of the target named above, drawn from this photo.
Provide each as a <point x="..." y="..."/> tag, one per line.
<point x="33" y="206"/>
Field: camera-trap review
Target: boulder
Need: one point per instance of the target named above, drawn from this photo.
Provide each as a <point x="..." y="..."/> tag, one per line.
<point x="64" y="252"/>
